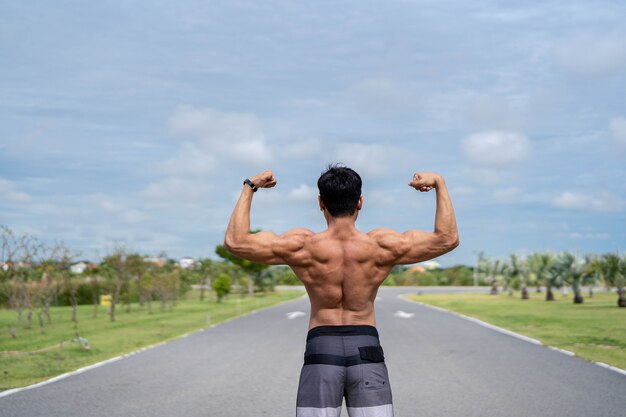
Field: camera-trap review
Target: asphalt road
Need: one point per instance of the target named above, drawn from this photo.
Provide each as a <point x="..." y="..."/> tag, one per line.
<point x="439" y="365"/>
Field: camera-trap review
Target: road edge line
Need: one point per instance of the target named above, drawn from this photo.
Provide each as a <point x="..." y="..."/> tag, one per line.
<point x="11" y="391"/>
<point x="477" y="321"/>
<point x="611" y="367"/>
<point x="513" y="334"/>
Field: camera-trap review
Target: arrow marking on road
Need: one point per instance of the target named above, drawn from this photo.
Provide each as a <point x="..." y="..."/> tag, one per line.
<point x="295" y="314"/>
<point x="403" y="315"/>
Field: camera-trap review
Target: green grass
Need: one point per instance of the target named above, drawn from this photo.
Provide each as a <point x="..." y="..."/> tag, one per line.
<point x="108" y="339"/>
<point x="594" y="330"/>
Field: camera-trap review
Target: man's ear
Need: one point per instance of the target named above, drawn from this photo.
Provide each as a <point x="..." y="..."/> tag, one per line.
<point x="321" y="203"/>
<point x="359" y="205"/>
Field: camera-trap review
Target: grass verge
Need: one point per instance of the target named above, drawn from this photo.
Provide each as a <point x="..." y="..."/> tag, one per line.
<point x="593" y="330"/>
<point x="35" y="356"/>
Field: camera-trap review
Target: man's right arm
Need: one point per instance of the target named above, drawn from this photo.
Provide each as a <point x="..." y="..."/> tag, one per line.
<point x="416" y="245"/>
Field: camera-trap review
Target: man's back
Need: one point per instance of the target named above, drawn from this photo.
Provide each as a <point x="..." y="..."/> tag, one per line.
<point x="339" y="270"/>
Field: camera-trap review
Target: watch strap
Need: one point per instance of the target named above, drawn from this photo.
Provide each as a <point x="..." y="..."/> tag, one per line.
<point x="251" y="184"/>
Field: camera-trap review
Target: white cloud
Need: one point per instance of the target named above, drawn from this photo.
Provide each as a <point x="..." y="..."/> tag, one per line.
<point x="109" y="205"/>
<point x="507" y="16"/>
<point x="496" y="149"/>
<point x="508" y="195"/>
<point x="8" y="191"/>
<point x="585" y="236"/>
<point x="384" y="97"/>
<point x="618" y="131"/>
<point x="588" y="54"/>
<point x="601" y="202"/>
<point x="488" y="176"/>
<point x="190" y="160"/>
<point x="174" y="191"/>
<point x="133" y="216"/>
<point x="305" y="148"/>
<point x="488" y="111"/>
<point x="304" y="193"/>
<point x="462" y="191"/>
<point x="211" y="138"/>
<point x="368" y="159"/>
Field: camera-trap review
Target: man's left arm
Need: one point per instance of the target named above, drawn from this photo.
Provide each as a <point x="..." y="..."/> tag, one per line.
<point x="263" y="247"/>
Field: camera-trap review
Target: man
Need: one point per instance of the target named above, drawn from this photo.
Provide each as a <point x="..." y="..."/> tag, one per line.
<point x="341" y="269"/>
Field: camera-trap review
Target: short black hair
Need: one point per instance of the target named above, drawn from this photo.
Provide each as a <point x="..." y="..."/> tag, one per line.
<point x="340" y="190"/>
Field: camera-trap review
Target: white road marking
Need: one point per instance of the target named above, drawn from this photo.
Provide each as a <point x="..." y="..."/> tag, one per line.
<point x="295" y="314"/>
<point x="566" y="352"/>
<point x="612" y="368"/>
<point x="403" y="315"/>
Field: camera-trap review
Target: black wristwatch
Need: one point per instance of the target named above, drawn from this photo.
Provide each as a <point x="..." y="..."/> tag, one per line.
<point x="251" y="184"/>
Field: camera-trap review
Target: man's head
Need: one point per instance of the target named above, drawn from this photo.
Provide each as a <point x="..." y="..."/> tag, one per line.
<point x="340" y="191"/>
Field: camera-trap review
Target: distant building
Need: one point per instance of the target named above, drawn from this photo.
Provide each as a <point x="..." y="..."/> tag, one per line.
<point x="80" y="267"/>
<point x="415" y="269"/>
<point x="430" y="265"/>
<point x="186" y="262"/>
<point x="156" y="261"/>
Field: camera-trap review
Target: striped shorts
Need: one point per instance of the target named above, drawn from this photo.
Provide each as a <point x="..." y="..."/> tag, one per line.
<point x="344" y="361"/>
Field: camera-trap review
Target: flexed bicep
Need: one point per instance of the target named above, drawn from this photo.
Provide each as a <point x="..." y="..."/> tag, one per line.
<point x="422" y="246"/>
<point x="271" y="249"/>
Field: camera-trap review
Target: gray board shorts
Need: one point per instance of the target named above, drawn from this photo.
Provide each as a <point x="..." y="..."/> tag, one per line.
<point x="344" y="361"/>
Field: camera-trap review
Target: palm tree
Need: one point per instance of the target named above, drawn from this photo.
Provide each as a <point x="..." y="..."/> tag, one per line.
<point x="574" y="271"/>
<point x="516" y="269"/>
<point x="539" y="264"/>
<point x="591" y="272"/>
<point x="494" y="270"/>
<point x="613" y="272"/>
<point x="557" y="274"/>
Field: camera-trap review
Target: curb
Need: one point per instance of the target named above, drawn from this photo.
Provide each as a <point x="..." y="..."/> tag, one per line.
<point x="125" y="355"/>
<point x="511" y="333"/>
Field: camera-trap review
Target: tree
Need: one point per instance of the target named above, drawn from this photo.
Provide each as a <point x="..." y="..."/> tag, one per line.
<point x="136" y="266"/>
<point x="573" y="273"/>
<point x="539" y="264"/>
<point x="495" y="270"/>
<point x="17" y="256"/>
<point x="92" y="278"/>
<point x="222" y="285"/>
<point x="166" y="286"/>
<point x="557" y="274"/>
<point x="613" y="273"/>
<point x="592" y="272"/>
<point x="63" y="259"/>
<point x="253" y="270"/>
<point x="206" y="269"/>
<point x="514" y="272"/>
<point x="115" y="271"/>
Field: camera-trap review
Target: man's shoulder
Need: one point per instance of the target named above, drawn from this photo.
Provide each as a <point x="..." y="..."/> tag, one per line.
<point x="382" y="232"/>
<point x="300" y="231"/>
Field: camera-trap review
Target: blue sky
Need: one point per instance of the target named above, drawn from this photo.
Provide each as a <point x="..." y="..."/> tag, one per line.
<point x="135" y="122"/>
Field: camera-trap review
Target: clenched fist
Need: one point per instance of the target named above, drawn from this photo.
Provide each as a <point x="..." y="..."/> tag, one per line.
<point x="265" y="179"/>
<point x="425" y="181"/>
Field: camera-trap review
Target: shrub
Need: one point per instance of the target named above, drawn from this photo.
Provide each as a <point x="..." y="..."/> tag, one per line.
<point x="222" y="285"/>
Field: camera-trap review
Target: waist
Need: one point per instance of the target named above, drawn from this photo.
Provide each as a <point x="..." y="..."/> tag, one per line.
<point x="345" y="330"/>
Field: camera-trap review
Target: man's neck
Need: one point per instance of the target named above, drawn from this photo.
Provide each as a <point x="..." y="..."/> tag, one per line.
<point x="341" y="224"/>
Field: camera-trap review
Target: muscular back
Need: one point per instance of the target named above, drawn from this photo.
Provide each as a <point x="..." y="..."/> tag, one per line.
<point x="341" y="267"/>
<point x="341" y="272"/>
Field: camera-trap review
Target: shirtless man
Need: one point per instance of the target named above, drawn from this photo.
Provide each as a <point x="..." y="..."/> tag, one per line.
<point x="341" y="269"/>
